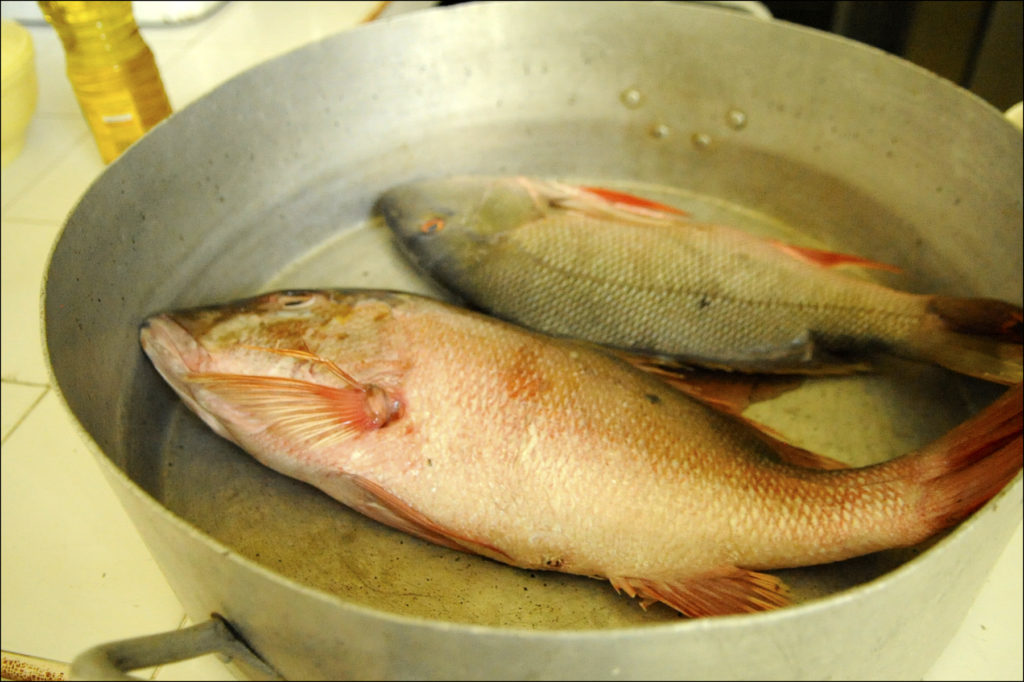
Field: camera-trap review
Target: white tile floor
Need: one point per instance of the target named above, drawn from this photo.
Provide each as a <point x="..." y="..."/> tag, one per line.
<point x="74" y="571"/>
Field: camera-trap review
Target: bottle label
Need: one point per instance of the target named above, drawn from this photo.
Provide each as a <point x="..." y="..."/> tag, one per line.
<point x="118" y="118"/>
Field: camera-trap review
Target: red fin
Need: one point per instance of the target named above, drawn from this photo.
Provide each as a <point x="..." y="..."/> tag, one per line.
<point x="728" y="392"/>
<point x="963" y="469"/>
<point x="602" y="203"/>
<point x="732" y="393"/>
<point x="732" y="590"/>
<point x="397" y="514"/>
<point x="763" y="378"/>
<point x="830" y="259"/>
<point x="294" y="408"/>
<point x="792" y="454"/>
<point x="632" y="201"/>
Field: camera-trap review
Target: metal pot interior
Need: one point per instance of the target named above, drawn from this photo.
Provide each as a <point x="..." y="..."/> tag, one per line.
<point x="267" y="183"/>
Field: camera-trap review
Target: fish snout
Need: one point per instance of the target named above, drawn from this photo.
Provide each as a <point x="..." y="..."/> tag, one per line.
<point x="415" y="226"/>
<point x="171" y="346"/>
<point x="424" y="209"/>
<point x="176" y="355"/>
<point x="392" y="205"/>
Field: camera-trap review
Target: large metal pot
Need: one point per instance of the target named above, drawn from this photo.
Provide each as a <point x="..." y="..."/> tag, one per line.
<point x="269" y="181"/>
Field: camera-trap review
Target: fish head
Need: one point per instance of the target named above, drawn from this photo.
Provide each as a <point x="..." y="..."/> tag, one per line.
<point x="245" y="366"/>
<point x="448" y="224"/>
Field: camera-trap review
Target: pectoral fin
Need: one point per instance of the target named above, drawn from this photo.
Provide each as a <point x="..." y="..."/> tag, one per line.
<point x="295" y="409"/>
<point x="729" y="590"/>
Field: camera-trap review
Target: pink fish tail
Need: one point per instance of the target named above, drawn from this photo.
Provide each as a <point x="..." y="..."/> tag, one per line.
<point x="962" y="470"/>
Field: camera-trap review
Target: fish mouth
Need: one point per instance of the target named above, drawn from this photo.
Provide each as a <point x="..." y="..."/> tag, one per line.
<point x="171" y="347"/>
<point x="408" y="208"/>
<point x="177" y="355"/>
<point x="174" y="353"/>
<point x="394" y="207"/>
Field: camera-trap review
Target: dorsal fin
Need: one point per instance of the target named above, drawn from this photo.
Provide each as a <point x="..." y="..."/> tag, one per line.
<point x="830" y="259"/>
<point x="599" y="203"/>
<point x="632" y="201"/>
<point x="608" y="203"/>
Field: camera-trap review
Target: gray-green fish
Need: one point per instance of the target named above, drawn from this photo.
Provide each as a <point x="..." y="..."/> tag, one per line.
<point x="636" y="275"/>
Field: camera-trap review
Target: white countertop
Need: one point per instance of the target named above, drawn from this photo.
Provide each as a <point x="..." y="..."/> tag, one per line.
<point x="75" y="572"/>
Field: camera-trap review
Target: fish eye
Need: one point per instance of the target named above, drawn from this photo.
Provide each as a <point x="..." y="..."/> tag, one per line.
<point x="432" y="225"/>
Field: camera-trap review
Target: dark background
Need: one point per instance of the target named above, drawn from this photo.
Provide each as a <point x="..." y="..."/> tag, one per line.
<point x="975" y="44"/>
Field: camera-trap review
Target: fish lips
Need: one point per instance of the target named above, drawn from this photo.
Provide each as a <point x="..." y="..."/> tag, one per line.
<point x="404" y="209"/>
<point x="170" y="346"/>
<point x="176" y="354"/>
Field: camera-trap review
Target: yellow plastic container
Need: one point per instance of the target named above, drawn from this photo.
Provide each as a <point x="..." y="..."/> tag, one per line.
<point x="20" y="90"/>
<point x="111" y="69"/>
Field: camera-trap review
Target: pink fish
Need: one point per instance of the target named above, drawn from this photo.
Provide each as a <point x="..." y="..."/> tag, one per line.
<point x="547" y="453"/>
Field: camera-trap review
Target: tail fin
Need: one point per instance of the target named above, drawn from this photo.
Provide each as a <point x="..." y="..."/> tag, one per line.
<point x="985" y="316"/>
<point x="963" y="469"/>
<point x="979" y="337"/>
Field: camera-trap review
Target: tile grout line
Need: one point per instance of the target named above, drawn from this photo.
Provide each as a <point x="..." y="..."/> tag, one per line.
<point x="45" y="171"/>
<point x="181" y="624"/>
<point x="30" y="384"/>
<point x="24" y="416"/>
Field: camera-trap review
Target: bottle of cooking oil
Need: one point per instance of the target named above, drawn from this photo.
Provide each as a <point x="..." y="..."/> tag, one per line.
<point x="111" y="69"/>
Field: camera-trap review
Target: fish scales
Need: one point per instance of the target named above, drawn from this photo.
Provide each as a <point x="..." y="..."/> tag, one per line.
<point x="630" y="274"/>
<point x="651" y="283"/>
<point x="542" y="453"/>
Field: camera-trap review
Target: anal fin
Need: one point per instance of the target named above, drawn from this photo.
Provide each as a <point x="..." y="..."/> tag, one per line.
<point x="727" y="591"/>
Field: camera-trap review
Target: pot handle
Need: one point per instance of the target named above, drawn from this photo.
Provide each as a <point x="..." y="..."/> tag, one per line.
<point x="1015" y="115"/>
<point x="751" y="7"/>
<point x="113" y="660"/>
